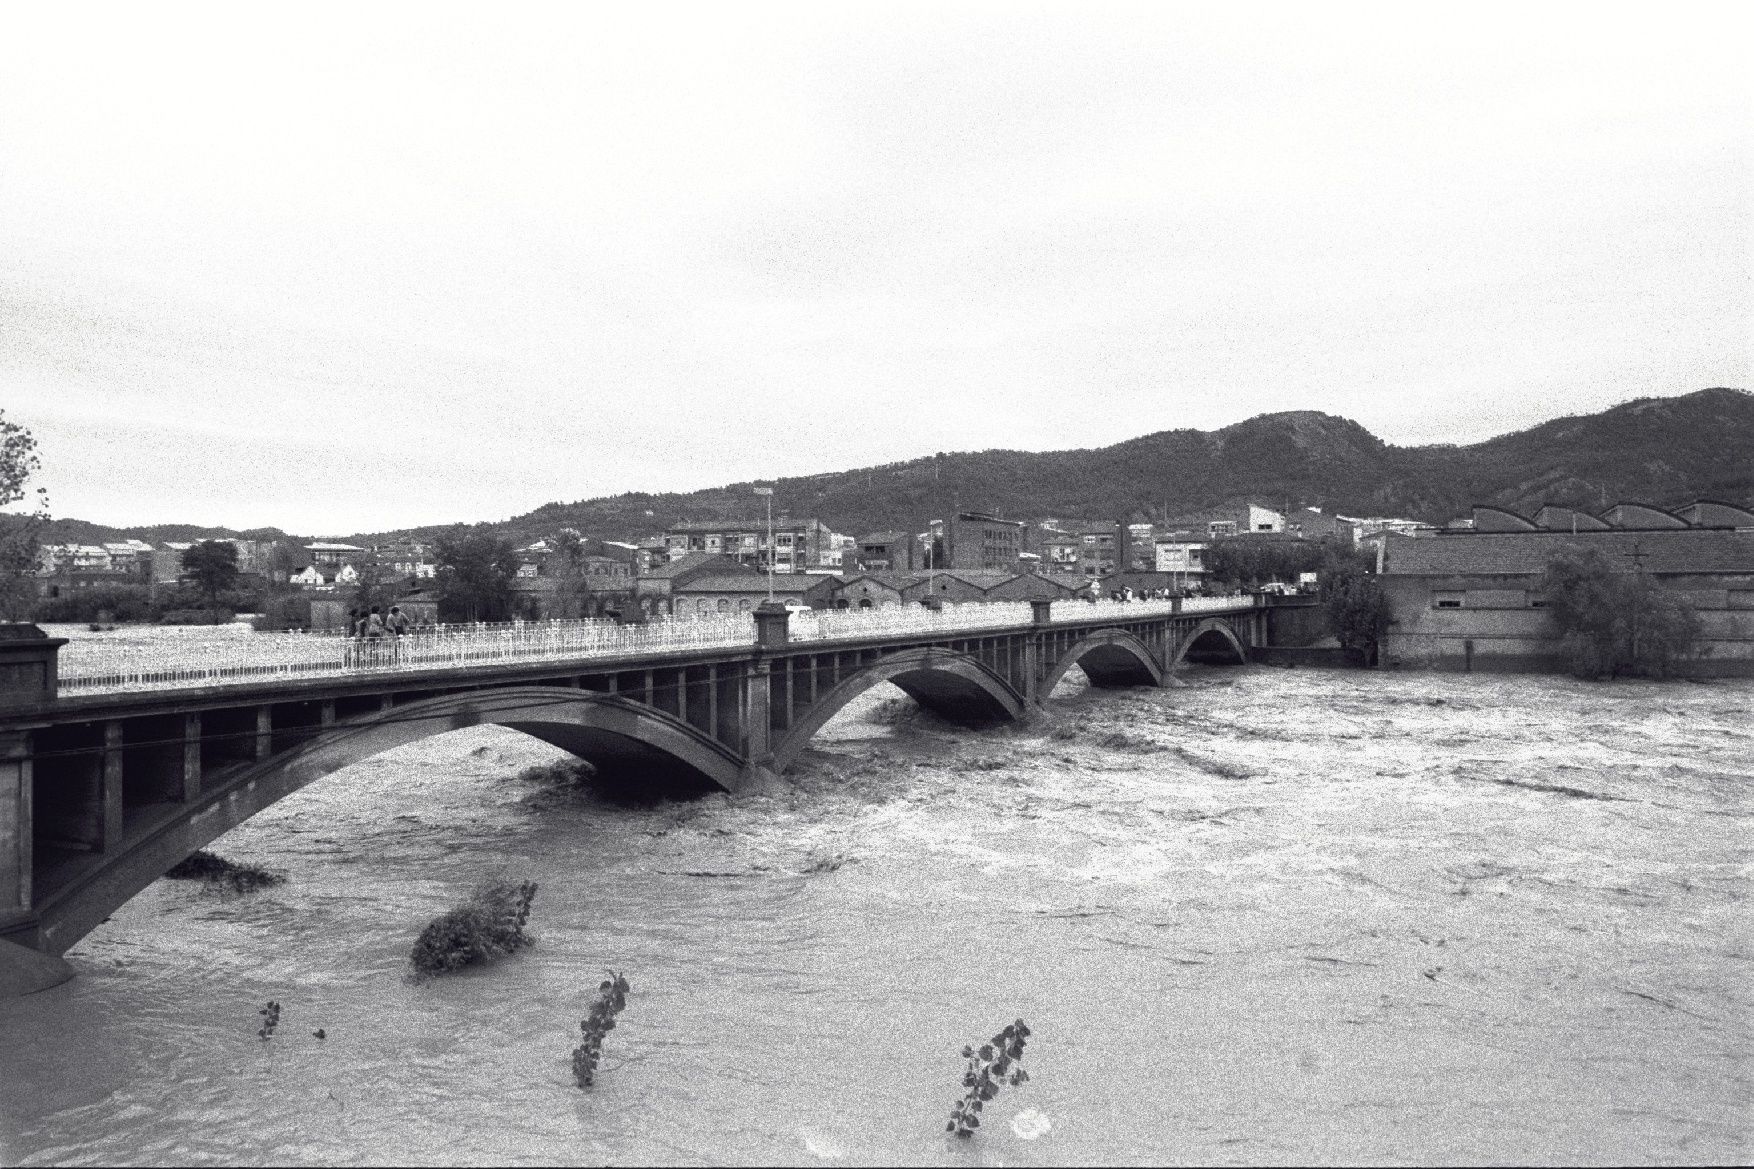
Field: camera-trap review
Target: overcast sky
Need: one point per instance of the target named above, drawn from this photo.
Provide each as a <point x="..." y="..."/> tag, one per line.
<point x="357" y="267"/>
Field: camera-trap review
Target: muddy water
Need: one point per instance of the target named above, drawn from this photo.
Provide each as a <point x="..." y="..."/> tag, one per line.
<point x="1268" y="916"/>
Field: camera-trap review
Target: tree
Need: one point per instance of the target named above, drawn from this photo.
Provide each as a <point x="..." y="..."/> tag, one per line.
<point x="284" y="559"/>
<point x="1252" y="561"/>
<point x="1358" y="609"/>
<point x="20" y="532"/>
<point x="567" y="561"/>
<point x="213" y="566"/>
<point x="475" y="571"/>
<point x="1615" y="620"/>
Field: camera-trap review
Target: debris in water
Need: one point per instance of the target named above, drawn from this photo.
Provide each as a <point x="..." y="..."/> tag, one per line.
<point x="1031" y="1123"/>
<point x="228" y="876"/>
<point x="270" y="1018"/>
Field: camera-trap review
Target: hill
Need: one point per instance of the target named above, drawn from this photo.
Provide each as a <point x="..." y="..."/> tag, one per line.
<point x="1666" y="451"/>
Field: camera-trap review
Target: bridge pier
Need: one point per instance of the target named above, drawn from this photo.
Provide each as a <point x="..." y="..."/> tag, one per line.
<point x="15" y="829"/>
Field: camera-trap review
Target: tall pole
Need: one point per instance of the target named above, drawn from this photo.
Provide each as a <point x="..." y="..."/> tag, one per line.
<point x="768" y="491"/>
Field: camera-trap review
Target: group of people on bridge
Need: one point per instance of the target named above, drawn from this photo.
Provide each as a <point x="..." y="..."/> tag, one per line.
<point x="375" y="624"/>
<point x="1131" y="594"/>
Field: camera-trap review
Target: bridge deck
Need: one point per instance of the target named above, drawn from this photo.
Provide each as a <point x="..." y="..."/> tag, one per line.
<point x="283" y="662"/>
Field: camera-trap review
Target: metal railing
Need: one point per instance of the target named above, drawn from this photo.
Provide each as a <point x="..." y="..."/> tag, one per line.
<point x="836" y="624"/>
<point x="96" y="666"/>
<point x="1120" y="610"/>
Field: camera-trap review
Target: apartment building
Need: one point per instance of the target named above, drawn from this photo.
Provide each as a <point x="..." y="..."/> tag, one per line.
<point x="798" y="545"/>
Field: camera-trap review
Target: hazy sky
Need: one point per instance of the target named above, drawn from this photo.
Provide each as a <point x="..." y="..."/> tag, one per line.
<point x="355" y="267"/>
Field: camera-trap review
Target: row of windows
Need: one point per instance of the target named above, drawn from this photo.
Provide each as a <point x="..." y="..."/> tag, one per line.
<point x="1489" y="599"/>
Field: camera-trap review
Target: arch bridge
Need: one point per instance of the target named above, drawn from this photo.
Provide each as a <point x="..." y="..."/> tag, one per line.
<point x="100" y="794"/>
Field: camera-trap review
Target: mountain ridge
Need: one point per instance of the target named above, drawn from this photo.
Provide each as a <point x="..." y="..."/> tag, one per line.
<point x="1665" y="451"/>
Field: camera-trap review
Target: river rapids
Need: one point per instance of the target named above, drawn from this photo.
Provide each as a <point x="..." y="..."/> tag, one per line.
<point x="1261" y="916"/>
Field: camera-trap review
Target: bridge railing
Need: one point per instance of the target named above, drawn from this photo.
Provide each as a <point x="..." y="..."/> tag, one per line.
<point x="836" y="624"/>
<point x="94" y="668"/>
<point x="1121" y="610"/>
<point x="173" y="665"/>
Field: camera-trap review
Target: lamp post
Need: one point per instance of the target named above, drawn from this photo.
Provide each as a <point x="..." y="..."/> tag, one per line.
<point x="768" y="491"/>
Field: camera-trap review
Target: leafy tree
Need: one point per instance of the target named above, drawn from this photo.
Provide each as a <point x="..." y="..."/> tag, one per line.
<point x="475" y="571"/>
<point x="1358" y="609"/>
<point x="20" y="532"/>
<point x="567" y="562"/>
<point x="284" y="560"/>
<point x="213" y="567"/>
<point x="1615" y="620"/>
<point x="1252" y="561"/>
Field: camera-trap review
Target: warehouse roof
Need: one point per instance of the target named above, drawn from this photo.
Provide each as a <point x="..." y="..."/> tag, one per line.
<point x="1676" y="550"/>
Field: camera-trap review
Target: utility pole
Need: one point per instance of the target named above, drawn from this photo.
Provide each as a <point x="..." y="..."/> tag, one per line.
<point x="1637" y="556"/>
<point x="768" y="491"/>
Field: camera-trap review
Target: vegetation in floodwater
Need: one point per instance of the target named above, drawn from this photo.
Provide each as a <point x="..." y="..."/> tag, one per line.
<point x="611" y="998"/>
<point x="484" y="928"/>
<point x="270" y="1019"/>
<point x="1128" y="741"/>
<point x="1615" y="622"/>
<point x="996" y="1063"/>
<point x="229" y="876"/>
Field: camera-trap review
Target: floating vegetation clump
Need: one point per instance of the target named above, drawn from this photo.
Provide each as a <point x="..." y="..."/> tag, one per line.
<point x="893" y="712"/>
<point x="229" y="876"/>
<point x="270" y="1019"/>
<point x="485" y="928"/>
<point x="562" y="773"/>
<point x="1128" y="741"/>
<point x="611" y="998"/>
<point x="996" y="1063"/>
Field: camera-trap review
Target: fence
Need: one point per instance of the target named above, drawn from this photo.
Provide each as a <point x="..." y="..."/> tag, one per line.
<point x="93" y="667"/>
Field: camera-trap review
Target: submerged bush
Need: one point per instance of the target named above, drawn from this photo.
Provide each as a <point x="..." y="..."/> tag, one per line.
<point x="611" y="998"/>
<point x="230" y="876"/>
<point x="1614" y="619"/>
<point x="487" y="927"/>
<point x="892" y="712"/>
<point x="561" y="773"/>
<point x="995" y="1064"/>
<point x="270" y="1019"/>
<point x="1127" y="741"/>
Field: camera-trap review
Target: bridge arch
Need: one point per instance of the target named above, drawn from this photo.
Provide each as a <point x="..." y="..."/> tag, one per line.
<point x="950" y="684"/>
<point x="1109" y="658"/>
<point x="1214" y="638"/>
<point x="624" y="740"/>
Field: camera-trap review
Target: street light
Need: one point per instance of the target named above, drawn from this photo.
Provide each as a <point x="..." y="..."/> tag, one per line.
<point x="768" y="491"/>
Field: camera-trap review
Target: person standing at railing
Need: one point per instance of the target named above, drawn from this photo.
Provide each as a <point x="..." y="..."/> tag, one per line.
<point x="398" y="621"/>
<point x="374" y="626"/>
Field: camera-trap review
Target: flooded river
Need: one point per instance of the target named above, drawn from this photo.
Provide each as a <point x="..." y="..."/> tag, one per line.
<point x="1277" y="916"/>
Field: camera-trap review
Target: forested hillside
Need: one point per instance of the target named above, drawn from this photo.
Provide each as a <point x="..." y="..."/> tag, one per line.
<point x="1665" y="451"/>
